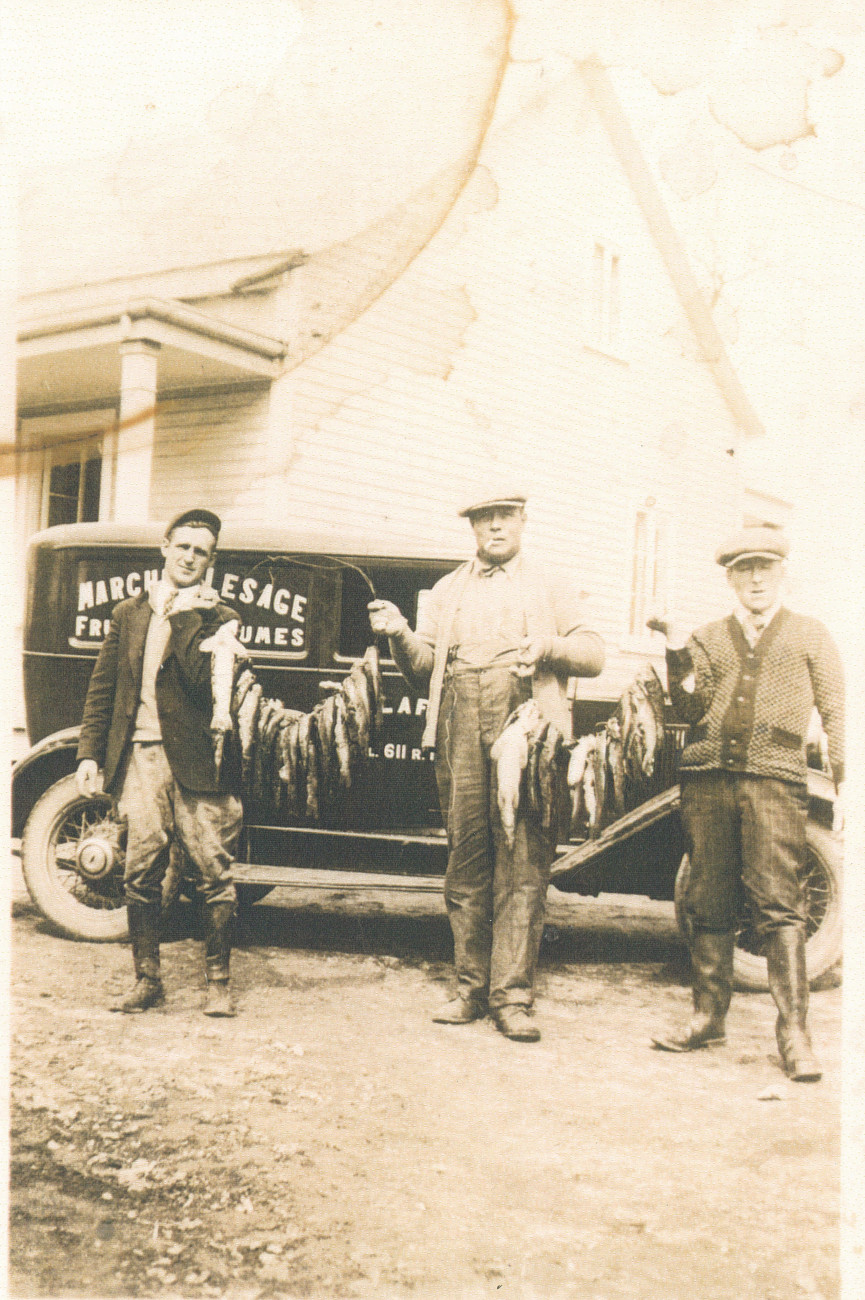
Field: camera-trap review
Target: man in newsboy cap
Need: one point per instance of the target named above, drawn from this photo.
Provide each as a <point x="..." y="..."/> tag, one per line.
<point x="747" y="686"/>
<point x="145" y="737"/>
<point x="495" y="632"/>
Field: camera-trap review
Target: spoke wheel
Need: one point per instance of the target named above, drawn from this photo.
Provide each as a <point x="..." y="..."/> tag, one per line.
<point x="822" y="880"/>
<point x="72" y="854"/>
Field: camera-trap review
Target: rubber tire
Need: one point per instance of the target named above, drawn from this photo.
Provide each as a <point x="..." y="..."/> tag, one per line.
<point x="72" y="918"/>
<point x="824" y="947"/>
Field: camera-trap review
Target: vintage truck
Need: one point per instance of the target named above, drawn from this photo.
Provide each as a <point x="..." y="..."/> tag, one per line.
<point x="301" y="602"/>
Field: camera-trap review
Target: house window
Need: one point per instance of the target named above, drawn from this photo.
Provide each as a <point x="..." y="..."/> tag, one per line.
<point x="73" y="479"/>
<point x="605" y="296"/>
<point x="649" y="566"/>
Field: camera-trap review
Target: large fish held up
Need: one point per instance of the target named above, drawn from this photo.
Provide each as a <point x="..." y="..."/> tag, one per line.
<point x="225" y="649"/>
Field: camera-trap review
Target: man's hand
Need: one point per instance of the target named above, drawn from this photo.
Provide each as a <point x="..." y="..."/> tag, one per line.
<point x="670" y="628"/>
<point x="532" y="650"/>
<point x="385" y="618"/>
<point x="191" y="598"/>
<point x="88" y="778"/>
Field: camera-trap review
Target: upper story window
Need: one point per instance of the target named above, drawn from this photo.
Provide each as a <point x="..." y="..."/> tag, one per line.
<point x="650" y="565"/>
<point x="605" y="321"/>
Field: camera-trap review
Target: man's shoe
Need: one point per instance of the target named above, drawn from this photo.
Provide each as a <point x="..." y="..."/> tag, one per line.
<point x="146" y="994"/>
<point x="800" y="1063"/>
<point x="514" y="1022"/>
<point x="218" y="1001"/>
<point x="700" y="1031"/>
<point x="460" y="1011"/>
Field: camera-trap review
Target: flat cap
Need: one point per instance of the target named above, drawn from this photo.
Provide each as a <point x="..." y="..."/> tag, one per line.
<point x="515" y="500"/>
<point x="195" y="518"/>
<point x="765" y="542"/>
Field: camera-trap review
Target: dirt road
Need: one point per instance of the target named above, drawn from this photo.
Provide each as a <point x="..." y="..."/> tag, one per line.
<point x="333" y="1142"/>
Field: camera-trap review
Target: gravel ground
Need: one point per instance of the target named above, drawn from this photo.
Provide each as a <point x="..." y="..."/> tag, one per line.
<point x="333" y="1142"/>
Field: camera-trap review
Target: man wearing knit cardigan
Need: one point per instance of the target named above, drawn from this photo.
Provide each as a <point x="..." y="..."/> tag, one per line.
<point x="492" y="634"/>
<point x="747" y="685"/>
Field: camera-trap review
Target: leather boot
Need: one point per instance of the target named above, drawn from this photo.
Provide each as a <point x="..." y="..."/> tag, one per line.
<point x="144" y="933"/>
<point x="788" y="982"/>
<point x="712" y="973"/>
<point x="217" y="952"/>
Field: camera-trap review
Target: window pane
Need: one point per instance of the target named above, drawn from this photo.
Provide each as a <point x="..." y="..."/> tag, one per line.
<point x="90" y="495"/>
<point x="64" y="480"/>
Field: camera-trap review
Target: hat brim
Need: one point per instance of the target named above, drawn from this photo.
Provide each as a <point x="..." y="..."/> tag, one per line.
<point x="512" y="503"/>
<point x="752" y="555"/>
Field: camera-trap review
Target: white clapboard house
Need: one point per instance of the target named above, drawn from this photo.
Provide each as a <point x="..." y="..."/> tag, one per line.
<point x="527" y="314"/>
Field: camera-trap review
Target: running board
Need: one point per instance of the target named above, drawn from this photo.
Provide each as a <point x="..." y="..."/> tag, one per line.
<point x="342" y="882"/>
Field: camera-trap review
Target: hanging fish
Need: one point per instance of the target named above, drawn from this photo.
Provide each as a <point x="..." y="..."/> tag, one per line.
<point x="647" y="724"/>
<point x="510" y="754"/>
<point x="599" y="782"/>
<point x="360" y="685"/>
<point x="301" y="759"/>
<point x="616" y="764"/>
<point x="313" y="768"/>
<point x="246" y="728"/>
<point x="533" y="784"/>
<point x="353" y="704"/>
<point x="548" y="776"/>
<point x="342" y="747"/>
<point x="224" y="649"/>
<point x="589" y="794"/>
<point x="288" y="772"/>
<point x="243" y="683"/>
<point x="329" y="765"/>
<point x="260" y="784"/>
<point x="372" y="671"/>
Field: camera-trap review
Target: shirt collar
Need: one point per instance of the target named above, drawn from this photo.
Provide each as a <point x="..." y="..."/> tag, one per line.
<point x="747" y="622"/>
<point x="485" y="567"/>
<point x="162" y="593"/>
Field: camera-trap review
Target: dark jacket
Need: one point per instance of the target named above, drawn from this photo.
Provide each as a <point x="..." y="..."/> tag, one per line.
<point x="183" y="698"/>
<point x="750" y="708"/>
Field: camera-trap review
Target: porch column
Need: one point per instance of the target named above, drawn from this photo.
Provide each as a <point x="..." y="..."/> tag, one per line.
<point x="136" y="431"/>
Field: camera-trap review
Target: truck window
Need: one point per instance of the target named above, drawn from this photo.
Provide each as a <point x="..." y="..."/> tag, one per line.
<point x="391" y="583"/>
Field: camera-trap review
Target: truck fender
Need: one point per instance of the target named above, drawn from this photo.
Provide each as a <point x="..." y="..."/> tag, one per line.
<point x="49" y="761"/>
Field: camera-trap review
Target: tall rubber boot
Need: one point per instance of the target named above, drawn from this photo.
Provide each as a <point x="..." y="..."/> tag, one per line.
<point x="144" y="932"/>
<point x="217" y="953"/>
<point x="788" y="983"/>
<point x="712" y="973"/>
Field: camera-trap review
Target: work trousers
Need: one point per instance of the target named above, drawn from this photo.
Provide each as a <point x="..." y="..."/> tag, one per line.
<point x="495" y="896"/>
<point x="158" y="809"/>
<point x="748" y="829"/>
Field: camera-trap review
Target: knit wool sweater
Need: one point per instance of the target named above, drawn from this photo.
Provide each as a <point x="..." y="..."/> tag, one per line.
<point x="750" y="708"/>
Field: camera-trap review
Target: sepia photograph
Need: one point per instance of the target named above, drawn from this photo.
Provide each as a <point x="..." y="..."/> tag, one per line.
<point x="432" y="442"/>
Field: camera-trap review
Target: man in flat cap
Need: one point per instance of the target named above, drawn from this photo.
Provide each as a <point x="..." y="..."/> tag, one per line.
<point x="495" y="632"/>
<point x="747" y="685"/>
<point x="147" y="727"/>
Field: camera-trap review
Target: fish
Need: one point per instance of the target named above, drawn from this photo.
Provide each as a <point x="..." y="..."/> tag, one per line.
<point x="352" y="721"/>
<point x="246" y="728"/>
<point x="301" y="756"/>
<point x="647" y="695"/>
<point x="533" y="788"/>
<point x="360" y="685"/>
<point x="243" y="683"/>
<point x="615" y="764"/>
<point x="288" y="772"/>
<point x="341" y="745"/>
<point x="329" y="764"/>
<point x="278" y="787"/>
<point x="579" y="758"/>
<point x="259" y="784"/>
<point x="510" y="753"/>
<point x="589" y="795"/>
<point x="548" y="776"/>
<point x="372" y="671"/>
<point x="313" y="767"/>
<point x="224" y="649"/>
<point x="599" y="782"/>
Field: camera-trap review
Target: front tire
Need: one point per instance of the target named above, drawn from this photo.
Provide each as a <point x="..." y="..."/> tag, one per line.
<point x="824" y="941"/>
<point x="62" y="825"/>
